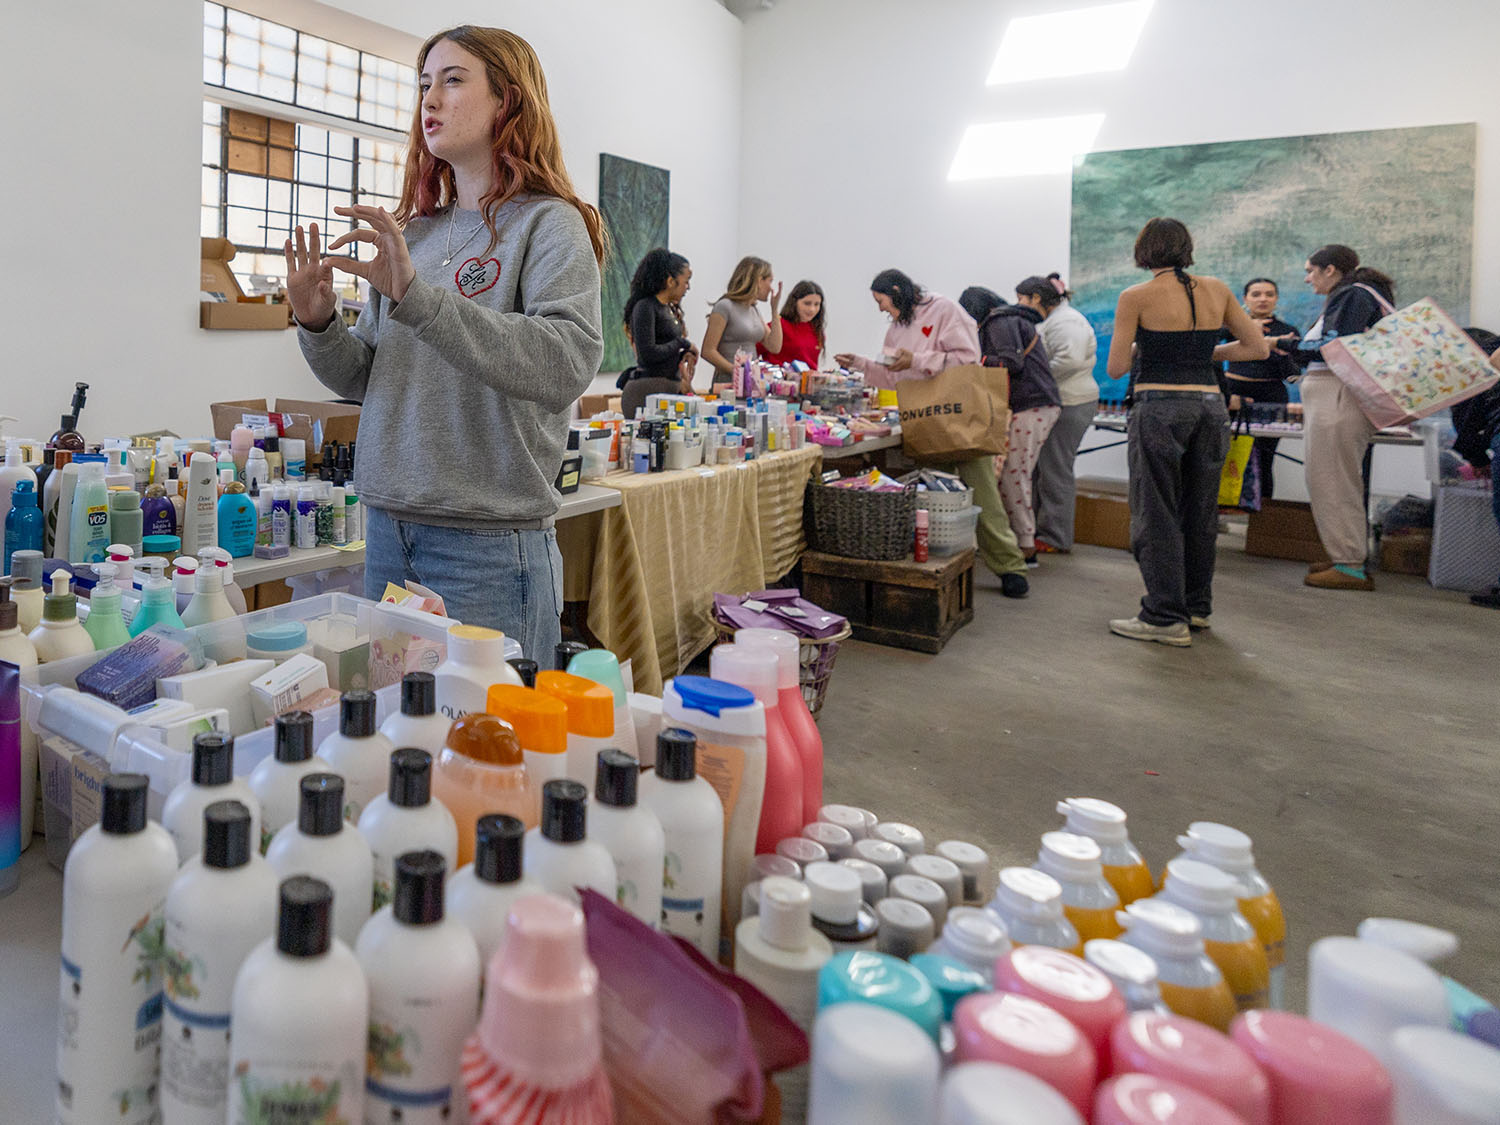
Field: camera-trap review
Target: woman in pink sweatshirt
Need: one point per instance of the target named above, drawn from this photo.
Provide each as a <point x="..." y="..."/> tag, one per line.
<point x="929" y="334"/>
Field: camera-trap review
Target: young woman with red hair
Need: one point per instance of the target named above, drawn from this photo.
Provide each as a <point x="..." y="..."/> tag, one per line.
<point x="482" y="328"/>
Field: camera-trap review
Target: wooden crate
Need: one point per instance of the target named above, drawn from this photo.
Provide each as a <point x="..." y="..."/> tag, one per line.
<point x="903" y="604"/>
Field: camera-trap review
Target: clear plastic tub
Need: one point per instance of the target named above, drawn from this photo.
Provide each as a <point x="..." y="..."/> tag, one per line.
<point x="385" y="640"/>
<point x="945" y="503"/>
<point x="948" y="533"/>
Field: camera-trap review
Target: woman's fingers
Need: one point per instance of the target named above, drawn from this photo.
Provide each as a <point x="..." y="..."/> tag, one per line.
<point x="314" y="241"/>
<point x="360" y="235"/>
<point x="351" y="265"/>
<point x="375" y="216"/>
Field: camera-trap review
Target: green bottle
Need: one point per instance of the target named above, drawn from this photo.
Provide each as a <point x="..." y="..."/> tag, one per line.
<point x="106" y="621"/>
<point x="158" y="601"/>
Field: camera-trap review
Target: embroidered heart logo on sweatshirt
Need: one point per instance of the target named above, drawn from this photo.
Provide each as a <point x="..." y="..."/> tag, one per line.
<point x="474" y="276"/>
<point x="927" y="330"/>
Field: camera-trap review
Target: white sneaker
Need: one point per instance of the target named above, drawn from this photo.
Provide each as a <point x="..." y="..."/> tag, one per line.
<point x="1196" y="622"/>
<point x="1137" y="630"/>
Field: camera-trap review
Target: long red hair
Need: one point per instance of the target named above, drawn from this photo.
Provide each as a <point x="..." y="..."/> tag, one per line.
<point x="526" y="150"/>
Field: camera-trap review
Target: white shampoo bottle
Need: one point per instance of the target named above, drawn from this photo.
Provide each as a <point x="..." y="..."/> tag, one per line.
<point x="406" y="819"/>
<point x="212" y="780"/>
<point x="418" y="722"/>
<point x="109" y="1020"/>
<point x="423" y="973"/>
<point x="692" y="821"/>
<point x="480" y="893"/>
<point x="277" y="780"/>
<point x="780" y="953"/>
<point x="559" y="855"/>
<point x="320" y="844"/>
<point x="221" y="906"/>
<point x="301" y="1019"/>
<point x="630" y="833"/>
<point x="358" y="752"/>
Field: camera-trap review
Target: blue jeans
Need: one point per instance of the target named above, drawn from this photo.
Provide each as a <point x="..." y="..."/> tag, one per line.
<point x="506" y="580"/>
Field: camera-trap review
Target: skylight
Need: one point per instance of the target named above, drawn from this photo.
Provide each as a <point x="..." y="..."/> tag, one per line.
<point x="1040" y="146"/>
<point x="1061" y="44"/>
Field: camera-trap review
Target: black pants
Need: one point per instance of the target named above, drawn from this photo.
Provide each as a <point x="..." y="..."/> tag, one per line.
<point x="1177" y="444"/>
<point x="1262" y="391"/>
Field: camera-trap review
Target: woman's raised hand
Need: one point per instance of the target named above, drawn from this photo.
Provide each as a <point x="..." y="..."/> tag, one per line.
<point x="309" y="280"/>
<point x="390" y="271"/>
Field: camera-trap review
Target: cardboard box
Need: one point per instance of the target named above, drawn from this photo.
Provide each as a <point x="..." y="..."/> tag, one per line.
<point x="89" y="772"/>
<point x="1101" y="513"/>
<point x="589" y="405"/>
<point x="340" y="421"/>
<point x="236" y="312"/>
<point x="1284" y="529"/>
<point x="1406" y="552"/>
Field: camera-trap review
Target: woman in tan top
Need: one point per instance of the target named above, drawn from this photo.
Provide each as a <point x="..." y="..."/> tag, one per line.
<point x="735" y="324"/>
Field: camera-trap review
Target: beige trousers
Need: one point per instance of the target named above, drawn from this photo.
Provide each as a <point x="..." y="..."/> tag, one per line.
<point x="1337" y="435"/>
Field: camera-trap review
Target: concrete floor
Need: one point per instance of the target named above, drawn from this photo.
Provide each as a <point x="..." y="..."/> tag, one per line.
<point x="1352" y="735"/>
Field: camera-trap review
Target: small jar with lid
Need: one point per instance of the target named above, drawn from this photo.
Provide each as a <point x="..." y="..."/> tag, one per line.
<point x="277" y="640"/>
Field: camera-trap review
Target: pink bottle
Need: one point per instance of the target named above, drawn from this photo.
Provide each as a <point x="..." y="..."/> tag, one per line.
<point x="1144" y="1099"/>
<point x="1026" y="1034"/>
<point x="1067" y="984"/>
<point x="794" y="711"/>
<point x="1196" y="1055"/>
<point x="537" y="1057"/>
<point x="755" y="669"/>
<point x="1318" y="1076"/>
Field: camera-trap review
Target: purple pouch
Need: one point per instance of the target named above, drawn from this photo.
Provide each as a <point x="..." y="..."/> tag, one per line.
<point x="677" y="1046"/>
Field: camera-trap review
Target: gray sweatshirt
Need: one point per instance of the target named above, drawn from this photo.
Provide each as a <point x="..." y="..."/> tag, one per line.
<point x="468" y="382"/>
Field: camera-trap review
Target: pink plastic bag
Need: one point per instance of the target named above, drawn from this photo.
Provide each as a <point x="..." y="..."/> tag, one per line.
<point x="678" y="1041"/>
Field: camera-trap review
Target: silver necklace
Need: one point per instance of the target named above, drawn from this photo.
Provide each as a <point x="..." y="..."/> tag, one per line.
<point x="450" y="252"/>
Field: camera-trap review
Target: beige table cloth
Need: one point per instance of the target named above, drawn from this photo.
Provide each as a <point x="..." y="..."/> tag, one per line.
<point x="649" y="568"/>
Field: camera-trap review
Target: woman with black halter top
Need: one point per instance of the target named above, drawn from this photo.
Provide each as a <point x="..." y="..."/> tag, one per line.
<point x="1178" y="429"/>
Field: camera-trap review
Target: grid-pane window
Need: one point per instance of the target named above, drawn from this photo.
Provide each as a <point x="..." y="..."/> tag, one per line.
<point x="255" y="194"/>
<point x="257" y="56"/>
<point x="264" y="176"/>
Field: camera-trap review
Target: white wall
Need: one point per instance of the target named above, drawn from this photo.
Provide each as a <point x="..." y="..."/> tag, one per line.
<point x="101" y="191"/>
<point x="858" y="154"/>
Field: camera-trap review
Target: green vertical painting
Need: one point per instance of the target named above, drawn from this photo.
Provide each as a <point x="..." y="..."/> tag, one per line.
<point x="635" y="200"/>
<point x="1402" y="198"/>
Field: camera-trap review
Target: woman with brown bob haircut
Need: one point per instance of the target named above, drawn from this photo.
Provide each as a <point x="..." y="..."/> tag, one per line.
<point x="1178" y="432"/>
<point x="482" y="329"/>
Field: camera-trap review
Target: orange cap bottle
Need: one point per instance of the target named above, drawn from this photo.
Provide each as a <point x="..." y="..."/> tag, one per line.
<point x="480" y="771"/>
<point x="591" y="720"/>
<point x="541" y="725"/>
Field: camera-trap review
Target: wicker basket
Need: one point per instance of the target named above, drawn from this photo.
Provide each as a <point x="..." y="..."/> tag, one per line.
<point x="815" y="656"/>
<point x="860" y="525"/>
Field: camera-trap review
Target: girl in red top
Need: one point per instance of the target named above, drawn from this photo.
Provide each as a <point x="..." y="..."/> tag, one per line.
<point x="801" y="327"/>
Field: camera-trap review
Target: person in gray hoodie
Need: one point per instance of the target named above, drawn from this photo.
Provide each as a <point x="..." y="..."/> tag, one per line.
<point x="482" y="328"/>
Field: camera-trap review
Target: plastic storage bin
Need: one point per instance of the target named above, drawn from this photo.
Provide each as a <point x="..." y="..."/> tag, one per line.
<point x="372" y="642"/>
<point x="948" y="502"/>
<point x="948" y="533"/>
<point x="1465" y="540"/>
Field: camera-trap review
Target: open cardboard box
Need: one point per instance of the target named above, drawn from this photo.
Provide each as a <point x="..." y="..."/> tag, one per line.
<point x="340" y="420"/>
<point x="238" y="311"/>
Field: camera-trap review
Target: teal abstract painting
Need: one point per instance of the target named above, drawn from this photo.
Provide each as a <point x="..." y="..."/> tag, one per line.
<point x="1402" y="198"/>
<point x="634" y="199"/>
